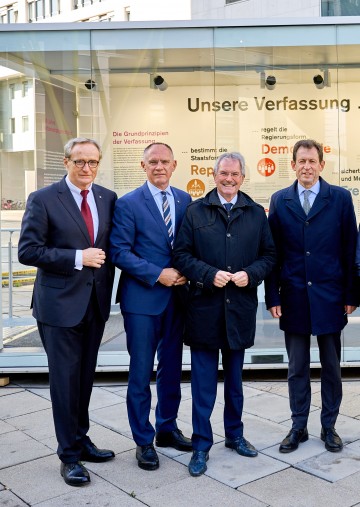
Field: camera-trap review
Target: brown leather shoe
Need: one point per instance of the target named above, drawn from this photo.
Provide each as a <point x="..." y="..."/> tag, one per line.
<point x="292" y="440"/>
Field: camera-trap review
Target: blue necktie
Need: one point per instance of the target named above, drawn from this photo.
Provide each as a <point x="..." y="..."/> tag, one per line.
<point x="306" y="204"/>
<point x="167" y="217"/>
<point x="228" y="206"/>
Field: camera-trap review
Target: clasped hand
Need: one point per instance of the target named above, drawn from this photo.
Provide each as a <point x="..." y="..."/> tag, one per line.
<point x="222" y="278"/>
<point x="171" y="276"/>
<point x="93" y="257"/>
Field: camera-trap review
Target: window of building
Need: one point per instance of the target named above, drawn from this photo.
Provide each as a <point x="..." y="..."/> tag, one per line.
<point x="12" y="91"/>
<point x="25" y="88"/>
<point x="235" y="1"/>
<point x="8" y="14"/>
<point x="340" y="7"/>
<point x="84" y="3"/>
<point x="25" y="123"/>
<point x="12" y="125"/>
<point x="36" y="9"/>
<point x="54" y="7"/>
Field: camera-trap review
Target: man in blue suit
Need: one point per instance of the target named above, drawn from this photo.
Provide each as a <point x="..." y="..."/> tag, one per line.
<point x="65" y="234"/>
<point x="145" y="224"/>
<point x="312" y="288"/>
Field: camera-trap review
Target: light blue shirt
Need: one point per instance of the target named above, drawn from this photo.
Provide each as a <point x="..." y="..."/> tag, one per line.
<point x="157" y="195"/>
<point x="314" y="190"/>
<point x="75" y="192"/>
<point x="224" y="201"/>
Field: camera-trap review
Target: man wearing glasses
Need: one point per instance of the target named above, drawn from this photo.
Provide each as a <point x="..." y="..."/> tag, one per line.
<point x="65" y="234"/>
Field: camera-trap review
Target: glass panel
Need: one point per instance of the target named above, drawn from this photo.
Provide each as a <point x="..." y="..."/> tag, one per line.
<point x="101" y="83"/>
<point x="265" y="100"/>
<point x="44" y="115"/>
<point x="340" y="7"/>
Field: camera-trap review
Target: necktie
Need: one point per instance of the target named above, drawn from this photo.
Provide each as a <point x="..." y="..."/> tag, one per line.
<point x="86" y="213"/>
<point x="306" y="204"/>
<point x="228" y="206"/>
<point x="167" y="217"/>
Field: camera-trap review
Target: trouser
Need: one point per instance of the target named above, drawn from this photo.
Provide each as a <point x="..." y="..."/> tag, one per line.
<point x="204" y="378"/>
<point x="147" y="335"/>
<point x="298" y="350"/>
<point x="72" y="355"/>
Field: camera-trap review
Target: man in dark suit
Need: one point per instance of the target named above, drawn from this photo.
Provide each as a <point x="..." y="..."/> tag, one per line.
<point x="145" y="224"/>
<point x="65" y="234"/>
<point x="312" y="288"/>
<point x="224" y="247"/>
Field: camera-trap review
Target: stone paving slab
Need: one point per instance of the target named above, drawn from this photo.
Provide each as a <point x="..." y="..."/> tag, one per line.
<point x="17" y="447"/>
<point x="268" y="406"/>
<point x="306" y="450"/>
<point x="21" y="403"/>
<point x="227" y="467"/>
<point x="8" y="499"/>
<point x="294" y="488"/>
<point x="199" y="492"/>
<point x="123" y="472"/>
<point x="38" y="425"/>
<point x="5" y="427"/>
<point x="334" y="466"/>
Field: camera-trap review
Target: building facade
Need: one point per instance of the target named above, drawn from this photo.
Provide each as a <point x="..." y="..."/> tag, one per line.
<point x="240" y="9"/>
<point x="59" y="11"/>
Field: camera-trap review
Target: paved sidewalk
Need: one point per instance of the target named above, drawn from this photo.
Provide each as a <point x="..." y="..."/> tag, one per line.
<point x="311" y="476"/>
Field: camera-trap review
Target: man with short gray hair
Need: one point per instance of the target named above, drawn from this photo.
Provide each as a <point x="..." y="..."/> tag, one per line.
<point x="65" y="234"/>
<point x="224" y="247"/>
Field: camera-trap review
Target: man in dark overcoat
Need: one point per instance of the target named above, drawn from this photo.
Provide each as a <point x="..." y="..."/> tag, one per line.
<point x="311" y="290"/>
<point x="225" y="253"/>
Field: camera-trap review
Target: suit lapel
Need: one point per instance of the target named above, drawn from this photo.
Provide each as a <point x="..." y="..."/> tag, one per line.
<point x="154" y="210"/>
<point x="67" y="200"/>
<point x="178" y="209"/>
<point x="321" y="200"/>
<point x="100" y="205"/>
<point x="292" y="201"/>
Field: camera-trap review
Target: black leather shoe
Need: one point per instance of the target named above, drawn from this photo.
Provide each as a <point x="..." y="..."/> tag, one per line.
<point x="74" y="474"/>
<point x="197" y="465"/>
<point x="333" y="442"/>
<point x="241" y="446"/>
<point x="91" y="453"/>
<point x="292" y="440"/>
<point x="147" y="457"/>
<point x="173" y="439"/>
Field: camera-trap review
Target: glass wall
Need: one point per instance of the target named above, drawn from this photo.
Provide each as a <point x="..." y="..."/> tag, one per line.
<point x="248" y="88"/>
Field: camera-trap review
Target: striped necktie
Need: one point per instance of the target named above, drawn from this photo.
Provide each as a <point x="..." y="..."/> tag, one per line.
<point x="167" y="217"/>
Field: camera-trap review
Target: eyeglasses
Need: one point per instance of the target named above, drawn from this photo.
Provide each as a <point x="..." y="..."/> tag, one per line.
<point x="82" y="163"/>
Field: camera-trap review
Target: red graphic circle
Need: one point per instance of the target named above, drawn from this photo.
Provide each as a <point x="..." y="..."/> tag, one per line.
<point x="266" y="167"/>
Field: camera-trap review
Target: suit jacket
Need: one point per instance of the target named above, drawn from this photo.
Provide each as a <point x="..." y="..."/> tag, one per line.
<point x="140" y="247"/>
<point x="314" y="277"/>
<point x="52" y="230"/>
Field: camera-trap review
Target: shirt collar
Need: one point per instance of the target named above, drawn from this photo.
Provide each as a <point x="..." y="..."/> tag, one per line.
<point x="315" y="188"/>
<point x="155" y="190"/>
<point x="73" y="187"/>
<point x="224" y="201"/>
